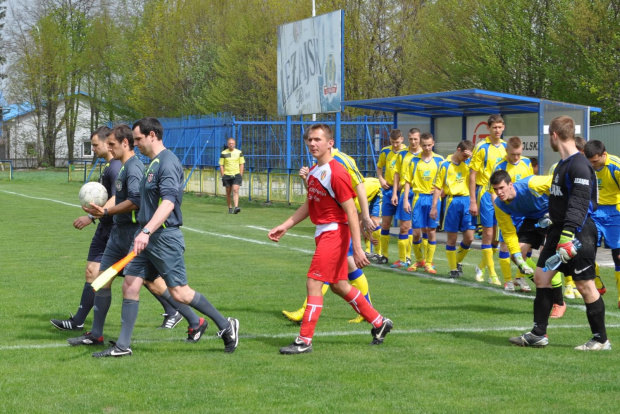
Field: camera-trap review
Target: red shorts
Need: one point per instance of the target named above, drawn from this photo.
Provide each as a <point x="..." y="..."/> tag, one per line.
<point x="329" y="263"/>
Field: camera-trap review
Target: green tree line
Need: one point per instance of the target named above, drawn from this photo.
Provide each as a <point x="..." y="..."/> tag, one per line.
<point x="170" y="58"/>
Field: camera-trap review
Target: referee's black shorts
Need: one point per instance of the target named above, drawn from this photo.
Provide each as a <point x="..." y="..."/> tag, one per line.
<point x="230" y="180"/>
<point x="98" y="243"/>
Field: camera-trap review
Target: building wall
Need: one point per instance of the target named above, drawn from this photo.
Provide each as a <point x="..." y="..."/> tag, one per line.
<point x="608" y="134"/>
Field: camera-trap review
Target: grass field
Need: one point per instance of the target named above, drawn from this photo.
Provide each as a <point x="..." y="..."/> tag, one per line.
<point x="448" y="352"/>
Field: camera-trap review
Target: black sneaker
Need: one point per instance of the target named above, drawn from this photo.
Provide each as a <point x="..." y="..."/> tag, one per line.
<point x="378" y="334"/>
<point x="113" y="351"/>
<point x="459" y="268"/>
<point x="170" y="321"/>
<point x="230" y="210"/>
<point x="86" y="339"/>
<point x="297" y="347"/>
<point x="531" y="340"/>
<point x="236" y="210"/>
<point x="67" y="324"/>
<point x="454" y="274"/>
<point x="194" y="335"/>
<point x="230" y="336"/>
<point x="382" y="260"/>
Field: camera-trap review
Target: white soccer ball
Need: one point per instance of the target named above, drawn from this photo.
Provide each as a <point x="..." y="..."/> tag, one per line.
<point x="93" y="192"/>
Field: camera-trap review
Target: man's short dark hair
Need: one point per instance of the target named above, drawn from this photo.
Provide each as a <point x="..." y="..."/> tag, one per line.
<point x="101" y="132"/>
<point x="500" y="176"/>
<point x="414" y="131"/>
<point x="121" y="132"/>
<point x="323" y="127"/>
<point x="593" y="148"/>
<point x="149" y="124"/>
<point x="425" y="136"/>
<point x="495" y="119"/>
<point x="580" y="143"/>
<point x="465" y="145"/>
<point x="395" y="134"/>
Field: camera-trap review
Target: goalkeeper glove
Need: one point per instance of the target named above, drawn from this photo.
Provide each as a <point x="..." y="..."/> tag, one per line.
<point x="544" y="222"/>
<point x="566" y="248"/>
<point x="523" y="267"/>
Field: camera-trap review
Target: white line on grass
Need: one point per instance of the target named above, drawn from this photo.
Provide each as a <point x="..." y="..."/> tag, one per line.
<point x="322" y="334"/>
<point x="288" y="233"/>
<point x="41" y="198"/>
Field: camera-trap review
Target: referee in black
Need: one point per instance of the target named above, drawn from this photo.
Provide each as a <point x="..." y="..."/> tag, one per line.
<point x="573" y="198"/>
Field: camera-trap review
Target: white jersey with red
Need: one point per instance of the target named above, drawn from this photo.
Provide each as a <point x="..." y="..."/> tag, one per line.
<point x="328" y="186"/>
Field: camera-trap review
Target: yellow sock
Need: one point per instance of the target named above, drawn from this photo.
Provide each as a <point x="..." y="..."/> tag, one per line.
<point x="377" y="236"/>
<point x="461" y="253"/>
<point x="618" y="284"/>
<point x="597" y="280"/>
<point x="430" y="252"/>
<point x="367" y="246"/>
<point x="530" y="262"/>
<point x="384" y="240"/>
<point x="409" y="244"/>
<point x="361" y="283"/>
<point x="568" y="280"/>
<point x="504" y="265"/>
<point x="451" y="253"/>
<point x="417" y="250"/>
<point x="424" y="243"/>
<point x="403" y="239"/>
<point x="557" y="280"/>
<point x="487" y="253"/>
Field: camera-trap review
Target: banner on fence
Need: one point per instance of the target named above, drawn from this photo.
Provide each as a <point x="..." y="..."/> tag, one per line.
<point x="310" y="65"/>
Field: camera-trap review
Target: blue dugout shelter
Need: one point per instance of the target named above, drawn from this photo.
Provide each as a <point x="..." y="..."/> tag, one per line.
<point x="457" y="115"/>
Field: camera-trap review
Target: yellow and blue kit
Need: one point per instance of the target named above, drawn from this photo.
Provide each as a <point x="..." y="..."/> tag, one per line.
<point x="453" y="179"/>
<point x="421" y="175"/>
<point x="388" y="162"/>
<point x="484" y="158"/>
<point x="607" y="216"/>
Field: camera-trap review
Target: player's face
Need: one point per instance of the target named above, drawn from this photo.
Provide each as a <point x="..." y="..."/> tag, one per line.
<point x="504" y="191"/>
<point x="115" y="148"/>
<point x="141" y="141"/>
<point x="318" y="144"/>
<point x="598" y="161"/>
<point x="463" y="155"/>
<point x="396" y="143"/>
<point x="414" y="141"/>
<point x="496" y="129"/>
<point x="427" y="146"/>
<point x="231" y="144"/>
<point x="99" y="148"/>
<point x="513" y="155"/>
<point x="553" y="141"/>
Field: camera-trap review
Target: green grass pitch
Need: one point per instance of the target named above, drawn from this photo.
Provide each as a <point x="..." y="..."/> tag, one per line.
<point x="448" y="352"/>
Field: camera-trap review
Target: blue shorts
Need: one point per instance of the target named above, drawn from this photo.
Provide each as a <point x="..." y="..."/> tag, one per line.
<point x="486" y="211"/>
<point x="387" y="209"/>
<point x="162" y="256"/>
<point x="119" y="244"/>
<point x="374" y="206"/>
<point x="421" y="210"/>
<point x="456" y="214"/>
<point x="607" y="220"/>
<point x="401" y="214"/>
<point x="98" y="243"/>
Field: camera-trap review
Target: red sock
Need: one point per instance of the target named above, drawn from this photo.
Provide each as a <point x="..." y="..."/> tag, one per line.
<point x="311" y="317"/>
<point x="359" y="303"/>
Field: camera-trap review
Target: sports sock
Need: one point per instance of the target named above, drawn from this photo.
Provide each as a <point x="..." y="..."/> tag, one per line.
<point x="417" y="250"/>
<point x="358" y="279"/>
<point x="377" y="236"/>
<point x="367" y="246"/>
<point x="188" y="313"/>
<point x="424" y="243"/>
<point x="359" y="303"/>
<point x="495" y="249"/>
<point x="168" y="308"/>
<point x="403" y="239"/>
<point x="129" y="314"/>
<point x="617" y="275"/>
<point x="311" y="317"/>
<point x="504" y="265"/>
<point x="596" y="318"/>
<point x="409" y="242"/>
<point x="103" y="299"/>
<point x="487" y="253"/>
<point x="324" y="290"/>
<point x="384" y="240"/>
<point x="556" y="281"/>
<point x="558" y="297"/>
<point x="531" y="263"/>
<point x="430" y="252"/>
<point x="462" y="252"/>
<point x="598" y="282"/>
<point x="200" y="303"/>
<point x="542" y="308"/>
<point x="86" y="304"/>
<point x="451" y="254"/>
<point x="568" y="280"/>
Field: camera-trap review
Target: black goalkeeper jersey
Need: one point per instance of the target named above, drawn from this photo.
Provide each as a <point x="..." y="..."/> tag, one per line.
<point x="573" y="193"/>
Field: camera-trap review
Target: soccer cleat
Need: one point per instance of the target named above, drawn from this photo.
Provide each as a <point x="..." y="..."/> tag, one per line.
<point x="459" y="268"/>
<point x="294" y="316"/>
<point x="378" y="334"/>
<point x="382" y="260"/>
<point x="113" y="351"/>
<point x="521" y="283"/>
<point x="408" y="262"/>
<point x="86" y="339"/>
<point x="509" y="286"/>
<point x="558" y="311"/>
<point x="454" y="274"/>
<point x="67" y="324"/>
<point x="194" y="334"/>
<point x="357" y="319"/>
<point x="170" y="321"/>
<point x="529" y="339"/>
<point x="415" y="266"/>
<point x="398" y="264"/>
<point x="297" y="347"/>
<point x="479" y="274"/>
<point x="577" y="293"/>
<point x="494" y="280"/>
<point x="230" y="336"/>
<point x="593" y="345"/>
<point x="230" y="210"/>
<point x="569" y="291"/>
<point x="236" y="210"/>
<point x="429" y="268"/>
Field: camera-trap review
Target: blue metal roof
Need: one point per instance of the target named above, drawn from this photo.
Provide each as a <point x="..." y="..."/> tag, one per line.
<point x="465" y="102"/>
<point x="15" y="110"/>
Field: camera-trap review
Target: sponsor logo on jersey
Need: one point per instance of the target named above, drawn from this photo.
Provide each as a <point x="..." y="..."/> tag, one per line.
<point x="582" y="181"/>
<point x="555" y="190"/>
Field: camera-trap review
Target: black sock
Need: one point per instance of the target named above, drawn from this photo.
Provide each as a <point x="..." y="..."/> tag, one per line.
<point x="542" y="307"/>
<point x="596" y="318"/>
<point x="201" y="303"/>
<point x="558" y="297"/>
<point x="86" y="304"/>
<point x="168" y="308"/>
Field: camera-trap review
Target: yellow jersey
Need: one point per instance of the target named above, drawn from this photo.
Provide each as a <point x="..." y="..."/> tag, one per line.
<point x="421" y="174"/>
<point x="608" y="180"/>
<point x="387" y="161"/>
<point x="517" y="171"/>
<point x="453" y="178"/>
<point x="484" y="158"/>
<point x="231" y="161"/>
<point x="402" y="161"/>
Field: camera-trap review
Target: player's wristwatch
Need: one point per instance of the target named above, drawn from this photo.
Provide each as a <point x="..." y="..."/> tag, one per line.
<point x="92" y="218"/>
<point x="146" y="231"/>
<point x="105" y="212"/>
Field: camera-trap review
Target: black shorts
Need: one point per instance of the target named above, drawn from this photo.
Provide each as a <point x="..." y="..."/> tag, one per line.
<point x="230" y="180"/>
<point x="528" y="233"/>
<point x="582" y="266"/>
<point x="98" y="243"/>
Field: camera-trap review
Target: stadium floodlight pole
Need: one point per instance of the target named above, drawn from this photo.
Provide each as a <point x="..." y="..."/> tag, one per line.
<point x="313" y="15"/>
